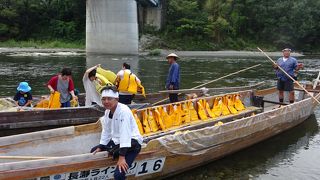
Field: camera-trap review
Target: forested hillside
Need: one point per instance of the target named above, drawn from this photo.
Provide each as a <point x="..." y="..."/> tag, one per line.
<point x="190" y="24"/>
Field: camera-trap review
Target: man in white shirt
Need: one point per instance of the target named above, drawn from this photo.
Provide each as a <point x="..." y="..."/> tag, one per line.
<point x="120" y="134"/>
<point x="89" y="78"/>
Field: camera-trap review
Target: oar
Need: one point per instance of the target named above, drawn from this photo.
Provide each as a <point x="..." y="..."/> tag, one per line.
<point x="289" y="76"/>
<point x="316" y="82"/>
<point x="201" y="85"/>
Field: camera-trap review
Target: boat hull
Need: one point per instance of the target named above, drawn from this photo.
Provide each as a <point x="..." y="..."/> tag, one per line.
<point x="163" y="160"/>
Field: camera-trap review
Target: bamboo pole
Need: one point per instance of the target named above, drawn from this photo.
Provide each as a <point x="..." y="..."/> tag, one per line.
<point x="213" y="81"/>
<point x="289" y="75"/>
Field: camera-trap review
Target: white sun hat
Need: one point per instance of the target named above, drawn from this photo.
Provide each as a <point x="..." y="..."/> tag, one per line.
<point x="173" y="55"/>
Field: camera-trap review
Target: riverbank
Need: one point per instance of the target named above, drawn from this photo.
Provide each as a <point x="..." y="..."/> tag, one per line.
<point x="74" y="51"/>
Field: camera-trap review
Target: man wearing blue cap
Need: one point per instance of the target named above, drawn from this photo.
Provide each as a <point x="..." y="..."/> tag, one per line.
<point x="23" y="97"/>
<point x="290" y="65"/>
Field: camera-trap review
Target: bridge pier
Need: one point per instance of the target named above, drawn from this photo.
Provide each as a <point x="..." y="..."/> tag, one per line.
<point x="112" y="27"/>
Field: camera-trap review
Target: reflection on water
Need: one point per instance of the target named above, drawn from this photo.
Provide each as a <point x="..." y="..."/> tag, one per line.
<point x="292" y="154"/>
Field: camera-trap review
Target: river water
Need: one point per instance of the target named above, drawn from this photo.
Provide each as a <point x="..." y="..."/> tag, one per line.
<point x="293" y="154"/>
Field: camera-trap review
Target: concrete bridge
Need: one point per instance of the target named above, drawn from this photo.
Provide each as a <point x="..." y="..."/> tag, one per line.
<point x="112" y="25"/>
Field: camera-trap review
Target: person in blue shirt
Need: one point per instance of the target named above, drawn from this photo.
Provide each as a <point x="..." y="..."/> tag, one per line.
<point x="173" y="79"/>
<point x="23" y="97"/>
<point x="290" y="65"/>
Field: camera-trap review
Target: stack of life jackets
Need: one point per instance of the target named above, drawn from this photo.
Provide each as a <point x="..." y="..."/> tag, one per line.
<point x="129" y="84"/>
<point x="175" y="115"/>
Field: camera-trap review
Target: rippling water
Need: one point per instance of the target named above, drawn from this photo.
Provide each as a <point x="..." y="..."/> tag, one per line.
<point x="293" y="154"/>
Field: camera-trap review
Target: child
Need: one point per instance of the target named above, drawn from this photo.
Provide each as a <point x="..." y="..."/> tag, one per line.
<point x="23" y="96"/>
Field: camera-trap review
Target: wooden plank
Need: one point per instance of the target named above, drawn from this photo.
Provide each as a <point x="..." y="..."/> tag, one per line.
<point x="222" y="89"/>
<point x="274" y="102"/>
<point x="59" y="168"/>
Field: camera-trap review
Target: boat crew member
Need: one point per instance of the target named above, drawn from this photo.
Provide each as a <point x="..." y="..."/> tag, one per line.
<point x="120" y="135"/>
<point x="23" y="97"/>
<point x="290" y="65"/>
<point x="173" y="79"/>
<point x="89" y="82"/>
<point x="63" y="83"/>
<point x="128" y="84"/>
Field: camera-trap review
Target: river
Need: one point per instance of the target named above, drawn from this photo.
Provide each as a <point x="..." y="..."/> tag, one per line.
<point x="291" y="155"/>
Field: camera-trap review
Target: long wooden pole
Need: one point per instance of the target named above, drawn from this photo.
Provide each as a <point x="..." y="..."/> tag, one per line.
<point x="201" y="85"/>
<point x="289" y="76"/>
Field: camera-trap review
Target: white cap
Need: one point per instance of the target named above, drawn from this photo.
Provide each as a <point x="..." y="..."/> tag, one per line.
<point x="172" y="55"/>
<point x="109" y="93"/>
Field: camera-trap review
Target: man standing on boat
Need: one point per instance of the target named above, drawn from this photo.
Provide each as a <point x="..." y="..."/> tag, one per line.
<point x="120" y="135"/>
<point x="173" y="79"/>
<point x="128" y="84"/>
<point x="290" y="65"/>
<point x="89" y="83"/>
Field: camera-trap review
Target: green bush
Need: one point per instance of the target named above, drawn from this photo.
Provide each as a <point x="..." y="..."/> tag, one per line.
<point x="155" y="52"/>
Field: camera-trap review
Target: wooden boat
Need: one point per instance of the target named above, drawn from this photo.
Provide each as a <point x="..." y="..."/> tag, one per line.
<point x="63" y="153"/>
<point x="31" y="117"/>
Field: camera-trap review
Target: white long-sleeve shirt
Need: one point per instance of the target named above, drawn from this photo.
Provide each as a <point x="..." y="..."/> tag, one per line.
<point x="121" y="128"/>
<point x="91" y="92"/>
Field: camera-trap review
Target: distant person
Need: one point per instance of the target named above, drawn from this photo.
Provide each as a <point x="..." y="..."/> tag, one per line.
<point x="128" y="84"/>
<point x="89" y="82"/>
<point x="120" y="135"/>
<point x="173" y="79"/>
<point x="289" y="65"/>
<point x="23" y="97"/>
<point x="63" y="83"/>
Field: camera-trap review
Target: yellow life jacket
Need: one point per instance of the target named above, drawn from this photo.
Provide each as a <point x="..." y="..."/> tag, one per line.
<point x="185" y="113"/>
<point x="231" y="105"/>
<point x="159" y="119"/>
<point x="101" y="82"/>
<point x="145" y="122"/>
<point x="167" y="120"/>
<point x="217" y="107"/>
<point x="238" y="104"/>
<point x="129" y="84"/>
<point x="201" y="110"/>
<point x="109" y="75"/>
<point x="224" y="106"/>
<point x="175" y="115"/>
<point x="44" y="103"/>
<point x="192" y="111"/>
<point x="207" y="108"/>
<point x="138" y="121"/>
<point x="54" y="100"/>
<point x="152" y="121"/>
<point x="74" y="103"/>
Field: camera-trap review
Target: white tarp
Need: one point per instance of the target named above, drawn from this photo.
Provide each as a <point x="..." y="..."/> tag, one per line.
<point x="199" y="141"/>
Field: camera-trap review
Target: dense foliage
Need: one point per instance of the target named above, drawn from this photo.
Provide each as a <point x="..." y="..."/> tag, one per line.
<point x="42" y="19"/>
<point x="190" y="24"/>
<point x="241" y="24"/>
